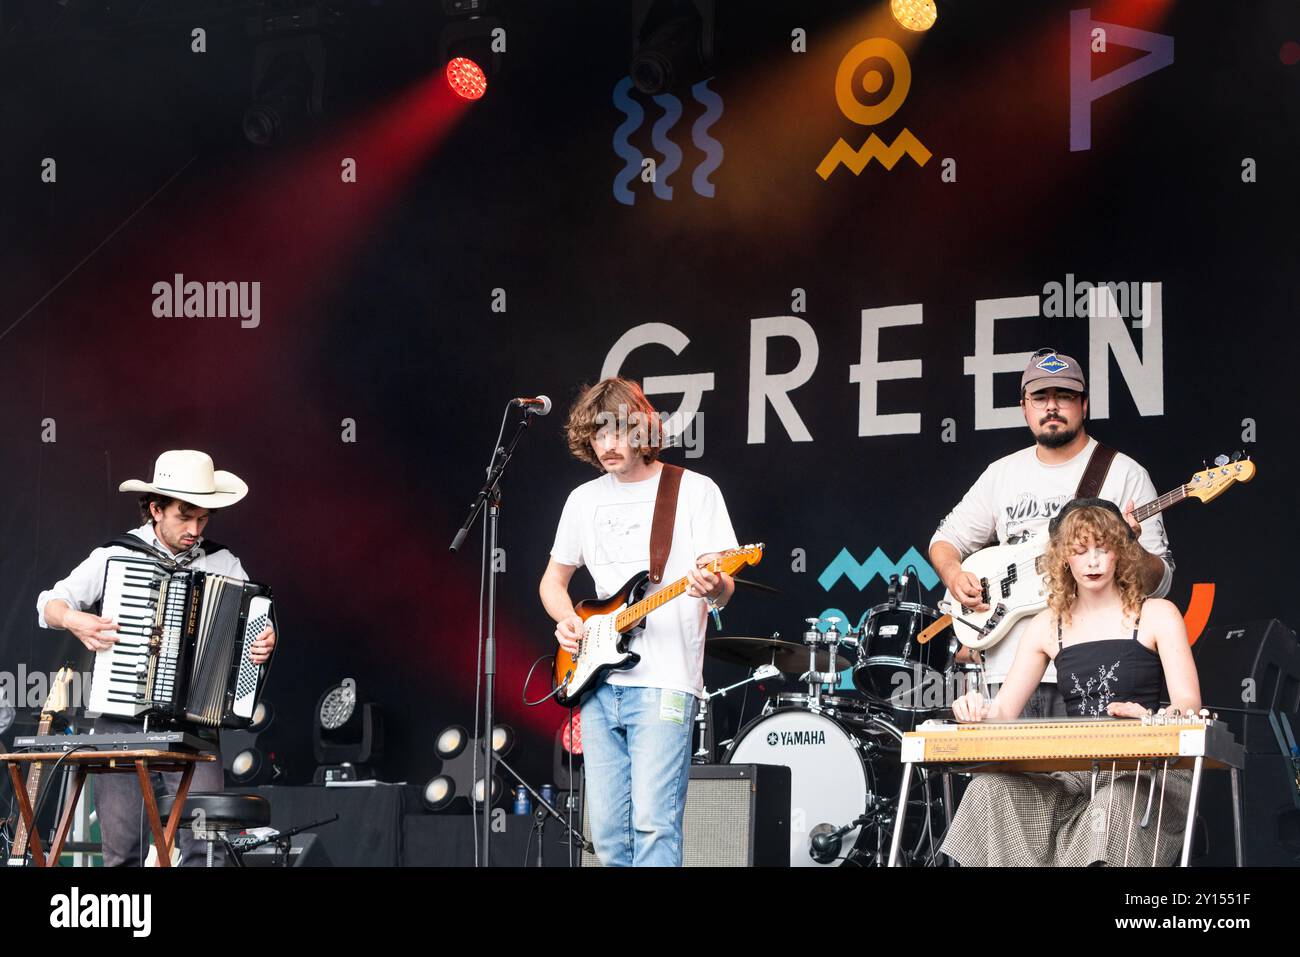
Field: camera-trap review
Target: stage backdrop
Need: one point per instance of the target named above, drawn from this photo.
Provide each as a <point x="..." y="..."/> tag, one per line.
<point x="832" y="258"/>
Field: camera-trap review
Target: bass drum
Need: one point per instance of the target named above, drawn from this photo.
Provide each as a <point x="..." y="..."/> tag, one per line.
<point x="835" y="772"/>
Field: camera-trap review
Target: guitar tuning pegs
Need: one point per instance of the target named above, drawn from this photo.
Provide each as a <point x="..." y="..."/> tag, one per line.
<point x="1236" y="456"/>
<point x="1221" y="460"/>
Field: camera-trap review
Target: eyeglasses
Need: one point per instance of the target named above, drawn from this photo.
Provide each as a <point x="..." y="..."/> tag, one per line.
<point x="1039" y="400"/>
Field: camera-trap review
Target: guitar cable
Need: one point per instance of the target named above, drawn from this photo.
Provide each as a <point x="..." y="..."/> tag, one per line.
<point x="569" y="804"/>
<point x="528" y="680"/>
<point x="49" y="789"/>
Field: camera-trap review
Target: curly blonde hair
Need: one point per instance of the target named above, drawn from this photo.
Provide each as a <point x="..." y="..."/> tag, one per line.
<point x="1109" y="531"/>
<point x="619" y="403"/>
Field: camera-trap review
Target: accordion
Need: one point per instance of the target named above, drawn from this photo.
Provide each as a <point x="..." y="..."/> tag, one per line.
<point x="183" y="645"/>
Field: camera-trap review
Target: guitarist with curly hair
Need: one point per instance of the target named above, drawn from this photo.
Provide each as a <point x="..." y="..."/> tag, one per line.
<point x="636" y="722"/>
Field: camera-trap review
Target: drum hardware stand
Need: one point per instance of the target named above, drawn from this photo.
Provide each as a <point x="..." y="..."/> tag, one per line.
<point x="815" y="679"/>
<point x="704" y="718"/>
<point x="489" y="496"/>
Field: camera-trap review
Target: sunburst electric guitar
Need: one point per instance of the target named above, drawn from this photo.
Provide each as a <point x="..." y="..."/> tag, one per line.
<point x="1011" y="576"/>
<point x="606" y="623"/>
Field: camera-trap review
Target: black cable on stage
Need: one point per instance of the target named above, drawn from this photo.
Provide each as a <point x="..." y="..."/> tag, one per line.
<point x="569" y="811"/>
<point x="554" y="691"/>
<point x="40" y="798"/>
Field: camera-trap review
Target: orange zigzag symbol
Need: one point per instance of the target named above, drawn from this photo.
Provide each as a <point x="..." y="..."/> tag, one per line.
<point x="874" y="148"/>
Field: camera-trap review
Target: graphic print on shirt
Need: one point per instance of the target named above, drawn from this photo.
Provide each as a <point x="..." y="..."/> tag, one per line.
<point x="1028" y="513"/>
<point x="623" y="533"/>
<point x="1101" y="684"/>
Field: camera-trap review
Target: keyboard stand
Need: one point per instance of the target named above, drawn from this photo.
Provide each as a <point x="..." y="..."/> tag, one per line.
<point x="142" y="763"/>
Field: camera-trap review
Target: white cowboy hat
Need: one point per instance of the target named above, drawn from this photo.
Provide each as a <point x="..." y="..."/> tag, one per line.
<point x="189" y="476"/>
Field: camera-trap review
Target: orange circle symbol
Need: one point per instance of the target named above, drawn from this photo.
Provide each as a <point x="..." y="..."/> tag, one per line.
<point x="869" y="114"/>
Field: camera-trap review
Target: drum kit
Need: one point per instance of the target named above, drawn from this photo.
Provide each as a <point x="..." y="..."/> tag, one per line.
<point x="842" y="744"/>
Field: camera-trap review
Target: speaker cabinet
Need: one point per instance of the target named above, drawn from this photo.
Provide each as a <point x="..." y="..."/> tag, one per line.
<point x="1246" y="671"/>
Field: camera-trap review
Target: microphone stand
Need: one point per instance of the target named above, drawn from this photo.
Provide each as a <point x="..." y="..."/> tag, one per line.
<point x="544" y="809"/>
<point x="282" y="840"/>
<point x="490" y="496"/>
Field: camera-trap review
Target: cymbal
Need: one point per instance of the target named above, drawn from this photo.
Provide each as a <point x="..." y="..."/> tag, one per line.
<point x="756" y="586"/>
<point x="791" y="657"/>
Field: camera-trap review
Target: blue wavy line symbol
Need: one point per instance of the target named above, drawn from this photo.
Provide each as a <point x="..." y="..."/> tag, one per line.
<point x="632" y="109"/>
<point x="711" y="148"/>
<point x="877" y="563"/>
<point x="659" y="136"/>
<point x="672" y="108"/>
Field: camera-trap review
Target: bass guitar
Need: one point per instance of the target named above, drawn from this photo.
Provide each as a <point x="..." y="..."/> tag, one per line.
<point x="1011" y="576"/>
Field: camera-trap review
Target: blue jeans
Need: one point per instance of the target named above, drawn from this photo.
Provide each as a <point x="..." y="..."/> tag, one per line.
<point x="636" y="755"/>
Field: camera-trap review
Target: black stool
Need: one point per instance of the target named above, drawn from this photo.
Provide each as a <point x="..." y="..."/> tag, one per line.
<point x="218" y="814"/>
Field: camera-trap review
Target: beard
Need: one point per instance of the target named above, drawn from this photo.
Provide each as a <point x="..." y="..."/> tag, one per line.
<point x="1058" y="439"/>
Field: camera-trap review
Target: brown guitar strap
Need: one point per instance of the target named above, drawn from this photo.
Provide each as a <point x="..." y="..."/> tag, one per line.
<point x="1095" y="474"/>
<point x="661" y="526"/>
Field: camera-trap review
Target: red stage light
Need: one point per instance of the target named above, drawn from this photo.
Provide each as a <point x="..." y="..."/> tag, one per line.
<point x="466" y="79"/>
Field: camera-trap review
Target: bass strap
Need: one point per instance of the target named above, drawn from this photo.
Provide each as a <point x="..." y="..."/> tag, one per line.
<point x="1095" y="474"/>
<point x="665" y="516"/>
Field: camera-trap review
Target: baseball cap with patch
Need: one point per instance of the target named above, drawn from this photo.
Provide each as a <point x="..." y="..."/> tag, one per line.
<point x="1048" y="369"/>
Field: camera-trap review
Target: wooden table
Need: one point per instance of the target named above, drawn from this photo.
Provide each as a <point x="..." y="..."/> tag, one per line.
<point x="142" y="762"/>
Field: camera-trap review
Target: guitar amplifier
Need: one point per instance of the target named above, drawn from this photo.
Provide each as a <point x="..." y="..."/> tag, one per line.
<point x="737" y="815"/>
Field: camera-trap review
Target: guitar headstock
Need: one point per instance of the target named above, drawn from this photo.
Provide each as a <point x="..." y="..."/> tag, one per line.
<point x="734" y="559"/>
<point x="57" y="701"/>
<point x="1210" y="483"/>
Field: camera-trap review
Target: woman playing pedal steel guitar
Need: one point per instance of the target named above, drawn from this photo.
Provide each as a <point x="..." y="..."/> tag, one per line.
<point x="1112" y="651"/>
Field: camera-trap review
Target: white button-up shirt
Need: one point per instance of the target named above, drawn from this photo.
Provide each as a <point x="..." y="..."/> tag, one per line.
<point x="84" y="586"/>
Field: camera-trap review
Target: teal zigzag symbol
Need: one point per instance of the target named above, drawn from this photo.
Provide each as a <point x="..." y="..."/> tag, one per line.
<point x="878" y="563"/>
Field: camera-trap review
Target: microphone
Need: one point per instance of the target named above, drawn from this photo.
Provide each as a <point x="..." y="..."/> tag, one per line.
<point x="538" y="405"/>
<point x="826" y="843"/>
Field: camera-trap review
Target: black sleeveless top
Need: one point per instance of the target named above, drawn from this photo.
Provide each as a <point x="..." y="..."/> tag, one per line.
<point x="1092" y="674"/>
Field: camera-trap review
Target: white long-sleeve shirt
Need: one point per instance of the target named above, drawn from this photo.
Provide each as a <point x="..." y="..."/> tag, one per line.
<point x="83" y="588"/>
<point x="1015" y="499"/>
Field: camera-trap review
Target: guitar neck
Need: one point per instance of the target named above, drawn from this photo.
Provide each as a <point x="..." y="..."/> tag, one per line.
<point x="634" y="613"/>
<point x="33" y="789"/>
<point x="725" y="563"/>
<point x="1157" y="505"/>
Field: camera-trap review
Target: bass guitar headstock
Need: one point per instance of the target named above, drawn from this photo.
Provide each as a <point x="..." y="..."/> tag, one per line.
<point x="1211" y="482"/>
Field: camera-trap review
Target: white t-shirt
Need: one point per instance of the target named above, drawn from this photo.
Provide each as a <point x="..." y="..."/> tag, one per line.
<point x="1014" y="500"/>
<point x="606" y="527"/>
